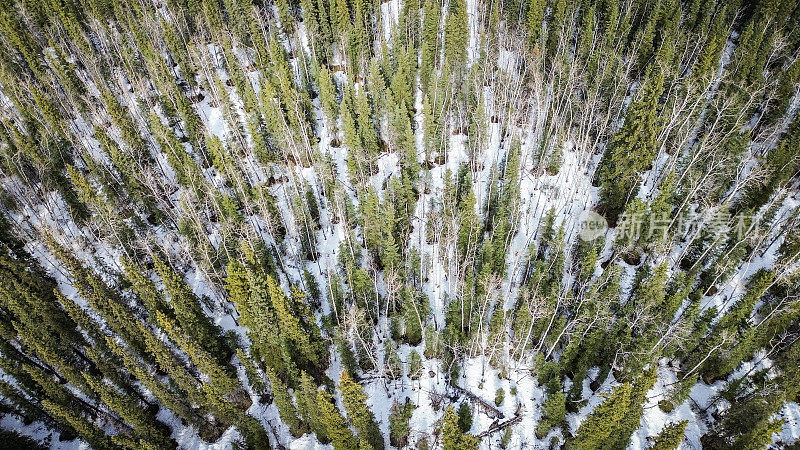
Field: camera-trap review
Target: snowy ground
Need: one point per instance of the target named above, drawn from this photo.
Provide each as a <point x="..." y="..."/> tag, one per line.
<point x="568" y="193"/>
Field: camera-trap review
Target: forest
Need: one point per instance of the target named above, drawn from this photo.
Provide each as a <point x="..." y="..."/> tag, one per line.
<point x="422" y="224"/>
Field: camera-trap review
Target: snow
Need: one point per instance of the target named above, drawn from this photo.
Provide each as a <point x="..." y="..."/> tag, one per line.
<point x="654" y="419"/>
<point x="574" y="420"/>
<point x="568" y="193"/>
<point x="42" y="434"/>
<point x="188" y="438"/>
<point x="483" y="380"/>
<point x="790" y="434"/>
<point x="761" y="258"/>
<point x="216" y="123"/>
<point x="473" y="21"/>
<point x="390" y="16"/>
<point x="308" y="442"/>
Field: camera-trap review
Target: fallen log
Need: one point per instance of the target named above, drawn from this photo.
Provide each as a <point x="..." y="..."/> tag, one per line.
<point x="488" y="408"/>
<point x="500" y="426"/>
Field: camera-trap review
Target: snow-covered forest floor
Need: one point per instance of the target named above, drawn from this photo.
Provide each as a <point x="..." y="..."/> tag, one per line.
<point x="562" y="145"/>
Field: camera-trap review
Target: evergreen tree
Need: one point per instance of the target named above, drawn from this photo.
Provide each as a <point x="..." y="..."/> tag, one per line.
<point x="534" y="17"/>
<point x="670" y="437"/>
<point x="429" y="44"/>
<point x="456" y="36"/>
<point x="327" y="95"/>
<point x="358" y="412"/>
<point x="553" y="413"/>
<point x="631" y="150"/>
<point x="283" y="401"/>
<point x="596" y="430"/>
<point x="398" y="423"/>
<point x="336" y="426"/>
<point x="189" y="312"/>
<point x="453" y="438"/>
<point x="307" y="407"/>
<point x="171" y="171"/>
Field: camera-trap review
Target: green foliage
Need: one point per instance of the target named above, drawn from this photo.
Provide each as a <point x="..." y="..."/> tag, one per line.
<point x="189" y="311"/>
<point x="335" y="425"/>
<point x="596" y="430"/>
<point x="553" y="413"/>
<point x="506" y="439"/>
<point x="631" y="150"/>
<point x="456" y="35"/>
<point x="283" y="401"/>
<point x="414" y="312"/>
<point x="359" y="414"/>
<point x="499" y="396"/>
<point x="670" y="437"/>
<point x="414" y="365"/>
<point x="453" y="436"/>
<point x="13" y="439"/>
<point x="428" y="45"/>
<point x="534" y="17"/>
<point x="308" y="408"/>
<point x="399" y="416"/>
<point x="464" y="417"/>
<point x="219" y="146"/>
<point x="327" y="94"/>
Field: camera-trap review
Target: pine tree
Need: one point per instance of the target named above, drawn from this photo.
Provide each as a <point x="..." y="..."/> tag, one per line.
<point x="733" y="321"/>
<point x="308" y="408"/>
<point x="413" y="317"/>
<point x="708" y="60"/>
<point x="221" y="381"/>
<point x="145" y="425"/>
<point x="464" y="417"/>
<point x="399" y="429"/>
<point x="327" y="96"/>
<point x="429" y="45"/>
<point x="670" y="437"/>
<point x="355" y="404"/>
<point x="453" y="438"/>
<point x="66" y="409"/>
<point x="189" y="312"/>
<point x="366" y="127"/>
<point x="336" y="426"/>
<point x="586" y="38"/>
<point x="456" y="36"/>
<point x="169" y="396"/>
<point x="595" y="431"/>
<point x="296" y="324"/>
<point x="625" y="427"/>
<point x="631" y="150"/>
<point x="557" y="20"/>
<point x="466" y="241"/>
<point x="553" y="413"/>
<point x="283" y="401"/>
<point x="144" y="288"/>
<point x="349" y="126"/>
<point x="534" y="16"/>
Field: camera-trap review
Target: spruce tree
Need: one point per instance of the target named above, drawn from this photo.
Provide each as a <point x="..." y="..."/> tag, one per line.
<point x="359" y="414"/>
<point x="631" y="150"/>
<point x="600" y="425"/>
<point x="336" y="426"/>
<point x="283" y="401"/>
<point x="327" y="95"/>
<point x="453" y="438"/>
<point x="533" y="17"/>
<point x="307" y="407"/>
<point x="189" y="311"/>
<point x="670" y="437"/>
<point x="456" y="36"/>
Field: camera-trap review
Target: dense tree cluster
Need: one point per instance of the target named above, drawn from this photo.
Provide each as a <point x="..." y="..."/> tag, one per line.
<point x="218" y="213"/>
